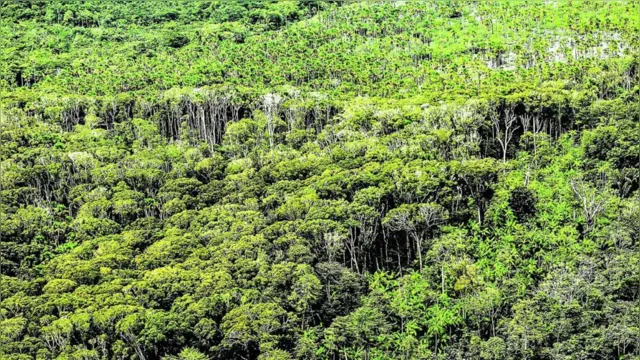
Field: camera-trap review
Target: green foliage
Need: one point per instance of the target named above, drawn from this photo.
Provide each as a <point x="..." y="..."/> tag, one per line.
<point x="302" y="179"/>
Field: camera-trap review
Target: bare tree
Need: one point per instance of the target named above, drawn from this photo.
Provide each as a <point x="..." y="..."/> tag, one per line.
<point x="504" y="129"/>
<point x="591" y="200"/>
<point x="271" y="104"/>
<point x="525" y="120"/>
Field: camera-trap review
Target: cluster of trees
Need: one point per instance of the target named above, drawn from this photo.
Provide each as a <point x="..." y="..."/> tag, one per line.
<point x="118" y="13"/>
<point x="374" y="49"/>
<point x="419" y="180"/>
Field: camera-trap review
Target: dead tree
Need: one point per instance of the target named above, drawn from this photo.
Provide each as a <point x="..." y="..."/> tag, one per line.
<point x="591" y="200"/>
<point x="504" y="129"/>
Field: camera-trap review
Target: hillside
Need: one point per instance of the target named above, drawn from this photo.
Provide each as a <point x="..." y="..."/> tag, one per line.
<point x="244" y="179"/>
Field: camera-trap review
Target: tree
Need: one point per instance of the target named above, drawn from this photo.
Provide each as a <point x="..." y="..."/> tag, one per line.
<point x="476" y="178"/>
<point x="504" y="128"/>
<point x="416" y="220"/>
<point x="359" y="330"/>
<point x="527" y="330"/>
<point x="591" y="201"/>
<point x="250" y="328"/>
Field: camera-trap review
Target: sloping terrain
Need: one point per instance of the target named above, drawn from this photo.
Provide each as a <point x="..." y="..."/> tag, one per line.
<point x="319" y="180"/>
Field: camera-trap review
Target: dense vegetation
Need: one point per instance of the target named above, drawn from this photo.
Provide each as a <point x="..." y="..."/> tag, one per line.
<point x="319" y="180"/>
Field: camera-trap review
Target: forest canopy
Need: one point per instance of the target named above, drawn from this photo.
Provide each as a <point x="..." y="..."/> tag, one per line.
<point x="307" y="179"/>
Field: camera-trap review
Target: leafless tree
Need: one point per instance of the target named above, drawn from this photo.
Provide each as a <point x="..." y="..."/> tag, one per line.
<point x="525" y="120"/>
<point x="504" y="128"/>
<point x="271" y="105"/>
<point x="591" y="200"/>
